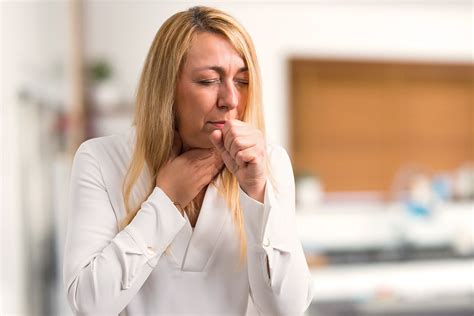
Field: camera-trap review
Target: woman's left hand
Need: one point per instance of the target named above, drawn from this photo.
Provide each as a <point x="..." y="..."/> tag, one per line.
<point x="243" y="151"/>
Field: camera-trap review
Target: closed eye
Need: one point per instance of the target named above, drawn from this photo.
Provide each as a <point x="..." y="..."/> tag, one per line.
<point x="241" y="81"/>
<point x="207" y="82"/>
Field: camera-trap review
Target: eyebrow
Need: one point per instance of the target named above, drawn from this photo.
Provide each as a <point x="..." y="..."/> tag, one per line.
<point x="219" y="69"/>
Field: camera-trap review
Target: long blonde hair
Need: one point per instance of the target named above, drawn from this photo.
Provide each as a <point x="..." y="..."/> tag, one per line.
<point x="154" y="118"/>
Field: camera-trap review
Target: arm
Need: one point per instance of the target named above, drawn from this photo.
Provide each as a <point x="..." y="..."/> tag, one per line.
<point x="278" y="273"/>
<point x="104" y="268"/>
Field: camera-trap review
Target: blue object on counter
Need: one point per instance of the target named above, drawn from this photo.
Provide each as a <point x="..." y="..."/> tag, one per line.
<point x="417" y="209"/>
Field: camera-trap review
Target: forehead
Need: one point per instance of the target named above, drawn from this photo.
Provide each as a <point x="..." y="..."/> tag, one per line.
<point x="209" y="49"/>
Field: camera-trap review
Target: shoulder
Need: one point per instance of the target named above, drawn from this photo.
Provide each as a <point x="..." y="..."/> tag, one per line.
<point x="108" y="156"/>
<point x="105" y="160"/>
<point x="277" y="155"/>
<point x="280" y="172"/>
<point x="279" y="162"/>
<point x="108" y="148"/>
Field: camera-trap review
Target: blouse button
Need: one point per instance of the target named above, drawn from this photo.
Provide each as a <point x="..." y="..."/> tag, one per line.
<point x="150" y="251"/>
<point x="266" y="243"/>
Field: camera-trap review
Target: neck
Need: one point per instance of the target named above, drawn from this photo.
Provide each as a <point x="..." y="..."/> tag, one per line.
<point x="185" y="148"/>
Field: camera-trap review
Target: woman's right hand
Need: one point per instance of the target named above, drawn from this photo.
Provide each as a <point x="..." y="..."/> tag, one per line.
<point x="185" y="175"/>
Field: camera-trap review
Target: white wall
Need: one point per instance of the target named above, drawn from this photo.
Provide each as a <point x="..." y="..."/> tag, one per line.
<point x="425" y="30"/>
<point x="33" y="43"/>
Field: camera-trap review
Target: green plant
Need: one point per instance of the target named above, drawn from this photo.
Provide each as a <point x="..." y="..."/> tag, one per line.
<point x="100" y="71"/>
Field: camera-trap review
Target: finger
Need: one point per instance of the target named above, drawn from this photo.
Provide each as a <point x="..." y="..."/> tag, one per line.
<point x="234" y="135"/>
<point x="234" y="123"/>
<point x="214" y="168"/>
<point x="213" y="159"/>
<point x="217" y="159"/>
<point x="207" y="173"/>
<point x="240" y="143"/>
<point x="229" y="162"/>
<point x="246" y="156"/>
<point x="216" y="140"/>
<point x="231" y="133"/>
<point x="240" y="132"/>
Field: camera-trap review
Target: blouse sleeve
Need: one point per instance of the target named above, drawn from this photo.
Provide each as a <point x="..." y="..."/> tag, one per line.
<point x="280" y="281"/>
<point x="104" y="268"/>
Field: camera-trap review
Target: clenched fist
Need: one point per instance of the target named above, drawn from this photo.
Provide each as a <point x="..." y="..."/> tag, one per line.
<point x="243" y="150"/>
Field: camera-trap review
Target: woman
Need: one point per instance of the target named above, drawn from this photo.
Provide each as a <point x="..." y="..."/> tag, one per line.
<point x="191" y="212"/>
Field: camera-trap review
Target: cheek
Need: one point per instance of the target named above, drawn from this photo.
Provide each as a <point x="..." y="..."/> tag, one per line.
<point x="192" y="109"/>
<point x="242" y="105"/>
<point x="186" y="118"/>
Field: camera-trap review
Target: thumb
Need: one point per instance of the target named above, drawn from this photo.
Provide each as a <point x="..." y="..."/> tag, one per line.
<point x="216" y="140"/>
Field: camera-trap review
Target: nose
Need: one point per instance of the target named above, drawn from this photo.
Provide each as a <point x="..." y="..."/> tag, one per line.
<point x="228" y="96"/>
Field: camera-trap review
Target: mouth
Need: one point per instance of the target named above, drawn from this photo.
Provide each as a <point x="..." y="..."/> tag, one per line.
<point x="218" y="124"/>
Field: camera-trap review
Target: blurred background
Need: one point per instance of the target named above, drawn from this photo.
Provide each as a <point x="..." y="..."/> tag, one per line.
<point x="373" y="100"/>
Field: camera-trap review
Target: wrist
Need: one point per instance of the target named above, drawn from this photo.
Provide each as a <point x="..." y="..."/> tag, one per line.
<point x="256" y="192"/>
<point x="169" y="194"/>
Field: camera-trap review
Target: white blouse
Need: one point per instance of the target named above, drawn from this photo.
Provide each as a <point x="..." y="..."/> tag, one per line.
<point x="131" y="272"/>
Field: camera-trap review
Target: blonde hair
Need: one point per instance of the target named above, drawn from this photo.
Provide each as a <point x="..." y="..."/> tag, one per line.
<point x="154" y="118"/>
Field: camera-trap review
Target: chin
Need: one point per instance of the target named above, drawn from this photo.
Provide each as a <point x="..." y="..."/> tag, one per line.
<point x="206" y="144"/>
<point x="201" y="143"/>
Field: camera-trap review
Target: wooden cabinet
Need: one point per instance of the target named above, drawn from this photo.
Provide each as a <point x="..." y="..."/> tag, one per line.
<point x="355" y="123"/>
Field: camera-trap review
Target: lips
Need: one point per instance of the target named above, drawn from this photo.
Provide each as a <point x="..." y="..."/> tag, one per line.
<point x="218" y="124"/>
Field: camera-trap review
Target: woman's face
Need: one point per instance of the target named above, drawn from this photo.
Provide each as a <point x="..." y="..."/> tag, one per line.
<point x="212" y="86"/>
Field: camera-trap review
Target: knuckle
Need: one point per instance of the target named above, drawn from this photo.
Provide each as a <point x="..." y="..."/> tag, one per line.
<point x="237" y="142"/>
<point x="233" y="132"/>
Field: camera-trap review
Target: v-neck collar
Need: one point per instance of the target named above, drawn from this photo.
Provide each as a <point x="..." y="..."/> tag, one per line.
<point x="193" y="248"/>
